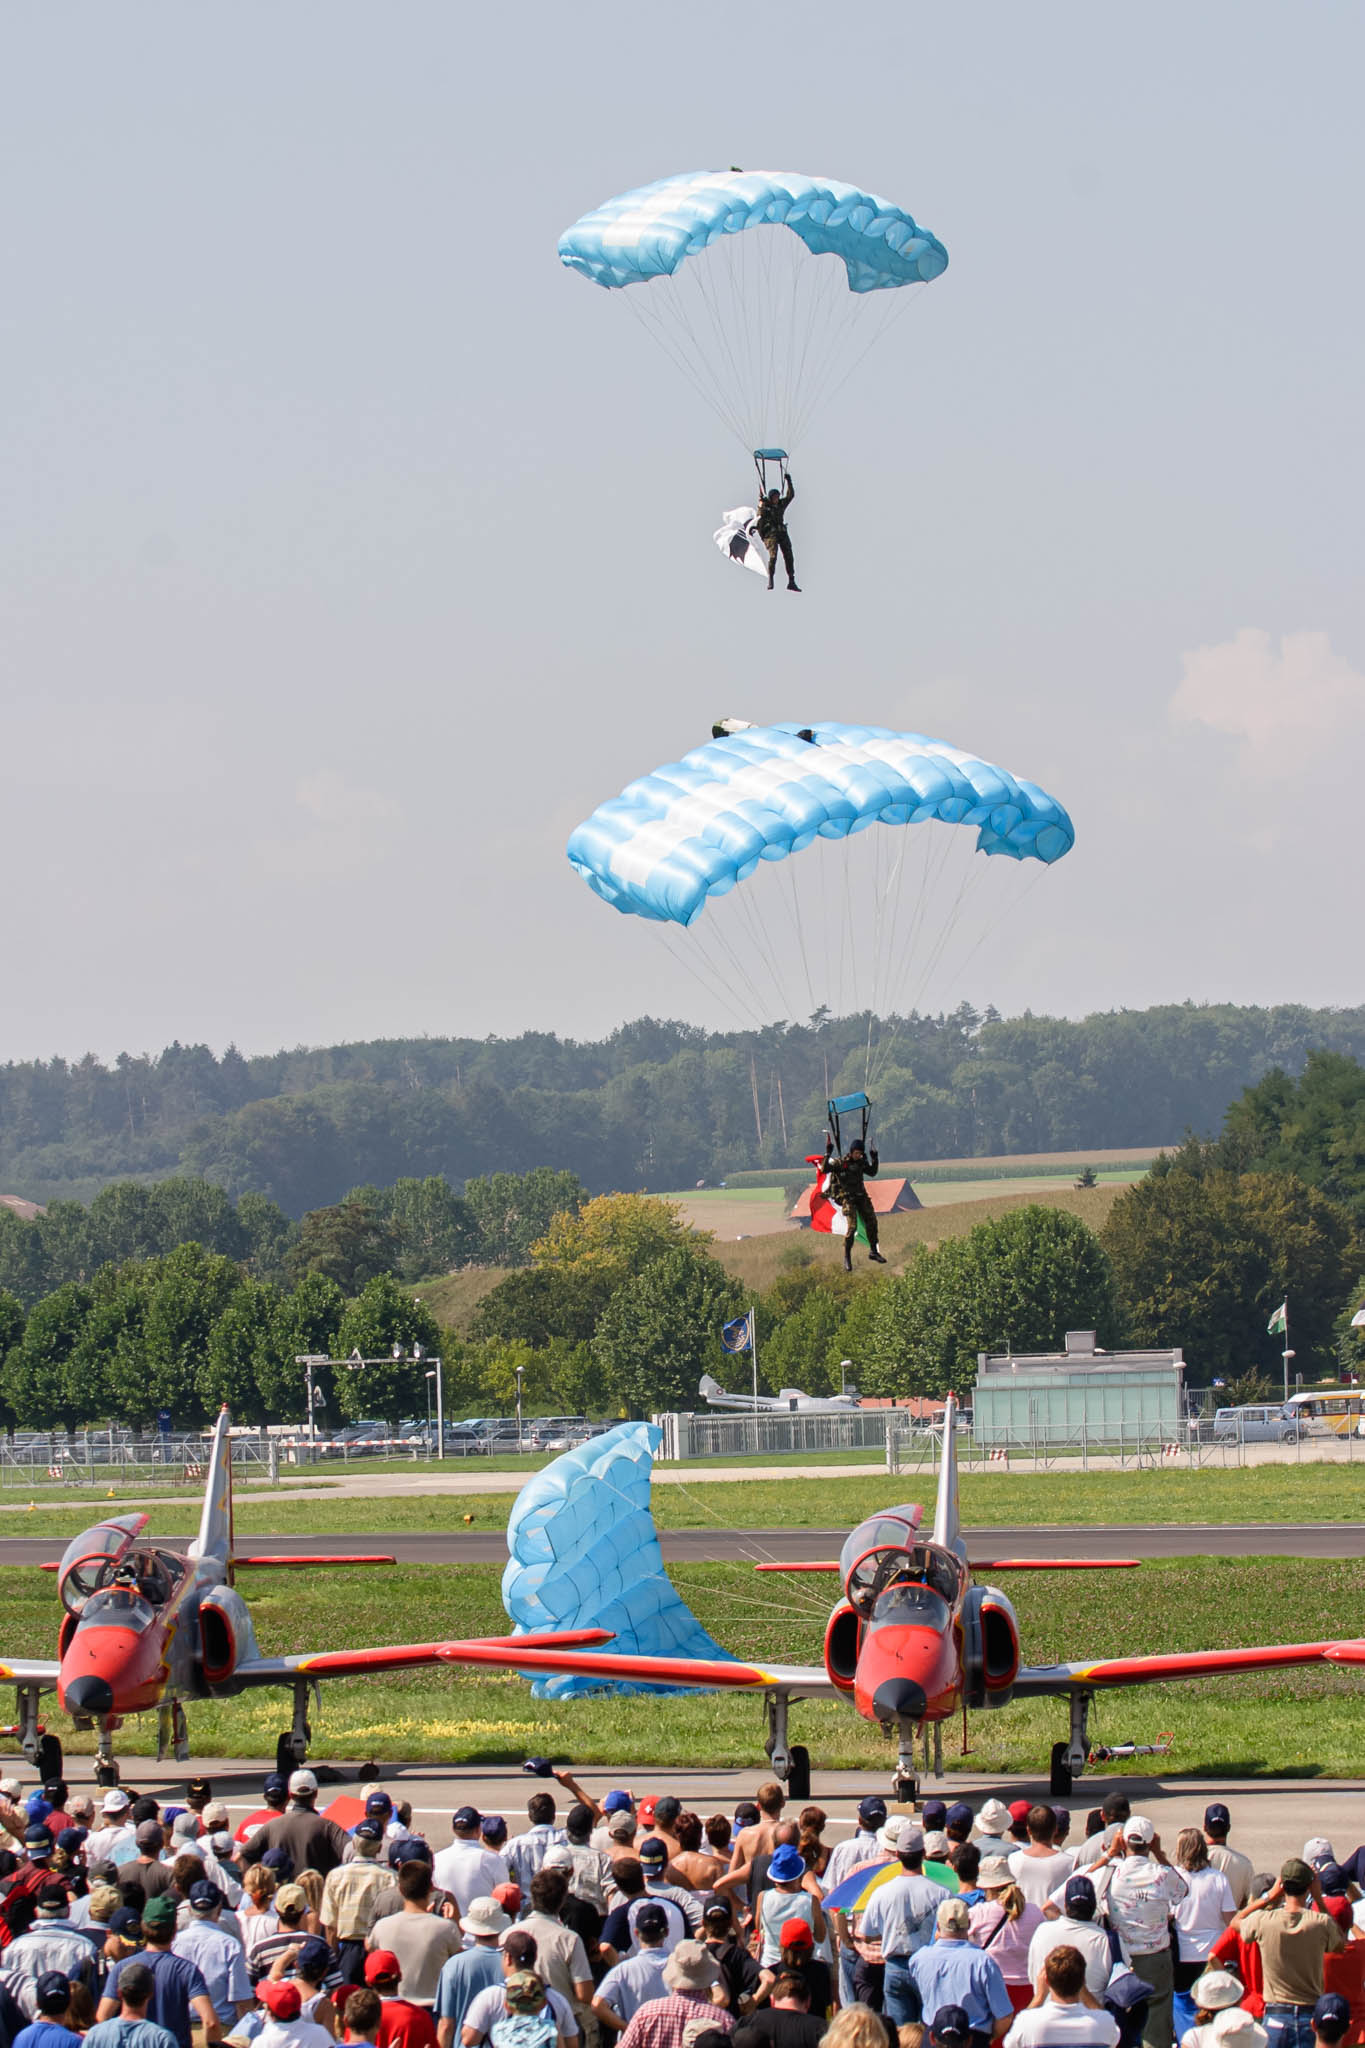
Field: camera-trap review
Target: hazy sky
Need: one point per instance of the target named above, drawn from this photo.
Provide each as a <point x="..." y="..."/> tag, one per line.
<point x="351" y="549"/>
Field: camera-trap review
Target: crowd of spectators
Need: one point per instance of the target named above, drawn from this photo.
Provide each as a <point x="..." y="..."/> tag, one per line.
<point x="641" y="1924"/>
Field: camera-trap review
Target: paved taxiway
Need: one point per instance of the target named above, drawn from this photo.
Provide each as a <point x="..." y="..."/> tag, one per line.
<point x="708" y="1546"/>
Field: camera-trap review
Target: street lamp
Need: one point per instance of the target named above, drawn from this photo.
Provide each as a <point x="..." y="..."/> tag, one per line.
<point x="845" y="1368"/>
<point x="519" y="1371"/>
<point x="430" y="1377"/>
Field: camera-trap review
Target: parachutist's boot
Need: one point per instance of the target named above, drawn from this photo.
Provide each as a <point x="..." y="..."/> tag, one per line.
<point x="876" y="1257"/>
<point x="792" y="584"/>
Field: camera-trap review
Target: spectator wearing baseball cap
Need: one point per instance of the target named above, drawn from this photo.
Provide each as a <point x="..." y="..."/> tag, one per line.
<point x="218" y="1956"/>
<point x="1236" y="1868"/>
<point x="639" y="1977"/>
<point x="312" y="1841"/>
<point x="350" y="1899"/>
<point x="113" y="1838"/>
<point x="1140" y="1886"/>
<point x="949" y="2027"/>
<point x="1075" y="1927"/>
<point x="520" y="1990"/>
<point x="858" y="1848"/>
<point x="957" y="1822"/>
<point x="51" y="2025"/>
<point x="401" y="2023"/>
<point x="50" y="1944"/>
<point x="740" y="1974"/>
<point x="470" y="1867"/>
<point x="799" y="1958"/>
<point x="1331" y="2019"/>
<point x="1294" y="1937"/>
<point x="1113" y="1811"/>
<point x="1058" y="2017"/>
<point x="286" y="2027"/>
<point x="473" y="1970"/>
<point x="178" y="1988"/>
<point x="900" y="1915"/>
<point x="693" y="1989"/>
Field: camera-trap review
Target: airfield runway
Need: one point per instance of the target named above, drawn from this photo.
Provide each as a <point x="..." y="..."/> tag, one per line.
<point x="1271" y="1817"/>
<point x="793" y="1546"/>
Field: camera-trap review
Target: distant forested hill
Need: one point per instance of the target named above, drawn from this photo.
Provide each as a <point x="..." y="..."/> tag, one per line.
<point x="656" y="1105"/>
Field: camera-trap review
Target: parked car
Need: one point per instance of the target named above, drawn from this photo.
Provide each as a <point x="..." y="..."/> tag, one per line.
<point x="1255" y="1425"/>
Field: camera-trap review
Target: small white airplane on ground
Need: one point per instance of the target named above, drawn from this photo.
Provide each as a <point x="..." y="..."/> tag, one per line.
<point x="789" y="1401"/>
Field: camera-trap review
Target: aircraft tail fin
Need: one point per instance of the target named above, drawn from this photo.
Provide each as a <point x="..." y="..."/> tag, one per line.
<point x="947" y="1522"/>
<point x="215" y="1523"/>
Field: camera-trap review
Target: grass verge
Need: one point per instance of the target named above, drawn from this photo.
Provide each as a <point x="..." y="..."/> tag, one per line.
<point x="1295" y="1723"/>
<point x="1260" y="1493"/>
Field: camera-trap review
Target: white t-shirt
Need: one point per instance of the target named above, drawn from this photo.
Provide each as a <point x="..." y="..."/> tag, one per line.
<point x="1039" y="1876"/>
<point x="299" y="2033"/>
<point x="1090" y="1941"/>
<point x="490" y="2005"/>
<point x="468" y="1871"/>
<point x="1200" y="1914"/>
<point x="1051" y="2025"/>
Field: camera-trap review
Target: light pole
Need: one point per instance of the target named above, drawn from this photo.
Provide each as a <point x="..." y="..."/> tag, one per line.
<point x="845" y="1367"/>
<point x="313" y="1395"/>
<point x="430" y="1377"/>
<point x="355" y="1363"/>
<point x="519" y="1371"/>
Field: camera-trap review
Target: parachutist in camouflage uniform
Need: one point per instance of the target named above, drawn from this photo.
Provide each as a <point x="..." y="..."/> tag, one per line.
<point x="772" y="531"/>
<point x="846" y="1177"/>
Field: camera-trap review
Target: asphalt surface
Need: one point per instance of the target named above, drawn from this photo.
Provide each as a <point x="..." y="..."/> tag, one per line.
<point x="1271" y="1817"/>
<point x="712" y="1546"/>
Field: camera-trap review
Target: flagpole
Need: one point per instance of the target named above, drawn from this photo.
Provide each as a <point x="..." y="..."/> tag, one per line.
<point x="1287" y="1353"/>
<point x="753" y="1359"/>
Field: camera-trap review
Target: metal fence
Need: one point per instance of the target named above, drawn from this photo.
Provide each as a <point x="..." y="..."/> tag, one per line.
<point x="99" y="1462"/>
<point x="772" y="1434"/>
<point x="913" y="1447"/>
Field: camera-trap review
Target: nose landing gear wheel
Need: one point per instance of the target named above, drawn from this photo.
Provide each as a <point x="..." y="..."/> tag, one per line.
<point x="798" y="1772"/>
<point x="106" y="1773"/>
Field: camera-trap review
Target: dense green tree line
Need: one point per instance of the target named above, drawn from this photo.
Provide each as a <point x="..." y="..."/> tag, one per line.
<point x="657" y="1104"/>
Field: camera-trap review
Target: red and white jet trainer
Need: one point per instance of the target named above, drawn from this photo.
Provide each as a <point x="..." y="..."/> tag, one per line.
<point x="913" y="1642"/>
<point x="146" y="1629"/>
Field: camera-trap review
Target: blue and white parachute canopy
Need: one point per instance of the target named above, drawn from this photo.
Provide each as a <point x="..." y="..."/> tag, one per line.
<point x="584" y="1554"/>
<point x="647" y="233"/>
<point x="696" y="827"/>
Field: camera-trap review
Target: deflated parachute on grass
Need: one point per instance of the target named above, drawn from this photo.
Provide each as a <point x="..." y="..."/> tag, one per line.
<point x="584" y="1554"/>
<point x="696" y="828"/>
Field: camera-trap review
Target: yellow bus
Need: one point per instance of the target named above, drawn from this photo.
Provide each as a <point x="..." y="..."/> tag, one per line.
<point x="1340" y="1414"/>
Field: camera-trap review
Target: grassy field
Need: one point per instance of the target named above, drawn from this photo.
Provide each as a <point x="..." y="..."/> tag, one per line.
<point x="1260" y="1493"/>
<point x="758" y="1260"/>
<point x="1131" y="1160"/>
<point x="1299" y="1722"/>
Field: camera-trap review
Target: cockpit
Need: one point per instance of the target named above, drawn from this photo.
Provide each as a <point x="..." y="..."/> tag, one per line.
<point x="108" y="1575"/>
<point x="885" y="1556"/>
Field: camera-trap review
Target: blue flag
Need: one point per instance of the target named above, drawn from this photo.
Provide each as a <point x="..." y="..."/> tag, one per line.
<point x="735" y="1336"/>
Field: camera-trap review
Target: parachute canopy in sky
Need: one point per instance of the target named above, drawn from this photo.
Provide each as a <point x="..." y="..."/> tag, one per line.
<point x="696" y="828"/>
<point x="765" y="288"/>
<point x="647" y="233"/>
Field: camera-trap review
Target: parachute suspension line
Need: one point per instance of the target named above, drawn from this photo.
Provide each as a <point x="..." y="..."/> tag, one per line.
<point x="705" y="284"/>
<point x="905" y="298"/>
<point x="800" y="933"/>
<point x="680" y="362"/>
<point x="881" y="987"/>
<point x="876" y="950"/>
<point x="1008" y="909"/>
<point x="935" y="849"/>
<point x="970" y="881"/>
<point x="704" y="975"/>
<point x="761" y="947"/>
<point x="847" y="928"/>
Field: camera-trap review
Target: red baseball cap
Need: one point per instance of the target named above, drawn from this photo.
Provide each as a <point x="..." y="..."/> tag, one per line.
<point x="1020" y="1809"/>
<point x="645" y="1809"/>
<point x="796" y="1934"/>
<point x="508" y="1897"/>
<point x="282" y="1995"/>
<point x="381" y="1963"/>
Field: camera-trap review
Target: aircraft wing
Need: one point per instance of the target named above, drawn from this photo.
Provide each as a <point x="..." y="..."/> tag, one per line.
<point x="706" y="1674"/>
<point x="40" y="1671"/>
<point x="396" y="1657"/>
<point x="1037" y="1679"/>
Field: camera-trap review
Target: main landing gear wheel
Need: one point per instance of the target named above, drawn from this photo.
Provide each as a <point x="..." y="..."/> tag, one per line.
<point x="287" y="1758"/>
<point x="798" y="1772"/>
<point x="1059" y="1779"/>
<point x="106" y="1773"/>
<point x="904" y="1790"/>
<point x="48" y="1759"/>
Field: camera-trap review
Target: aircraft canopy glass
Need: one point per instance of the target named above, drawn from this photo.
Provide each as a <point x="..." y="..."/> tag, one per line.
<point x="110" y="1556"/>
<point x="886" y="1551"/>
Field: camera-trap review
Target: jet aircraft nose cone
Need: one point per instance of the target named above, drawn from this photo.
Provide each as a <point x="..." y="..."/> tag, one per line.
<point x="89" y="1694"/>
<point x="893" y="1698"/>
